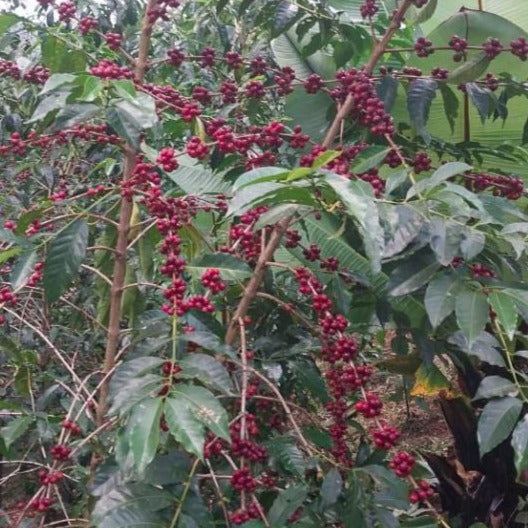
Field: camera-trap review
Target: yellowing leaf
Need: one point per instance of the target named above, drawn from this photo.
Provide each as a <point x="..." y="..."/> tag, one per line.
<point x="429" y="381"/>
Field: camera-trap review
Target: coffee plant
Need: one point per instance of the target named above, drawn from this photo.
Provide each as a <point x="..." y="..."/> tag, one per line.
<point x="222" y="221"/>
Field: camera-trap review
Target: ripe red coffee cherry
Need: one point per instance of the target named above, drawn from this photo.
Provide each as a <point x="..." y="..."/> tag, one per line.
<point x="402" y="464"/>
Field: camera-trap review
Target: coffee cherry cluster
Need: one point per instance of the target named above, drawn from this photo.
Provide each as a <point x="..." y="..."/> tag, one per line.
<point x="421" y="162"/>
<point x="160" y="11"/>
<point x="40" y="505"/>
<point x="423" y="47"/>
<point x="480" y="271"/>
<point x="50" y="477"/>
<point x="422" y="493"/>
<point x="492" y="48"/>
<point x="72" y="427"/>
<point x="167" y="160"/>
<point x="459" y="46"/>
<point x="66" y="11"/>
<point x="242" y="480"/>
<point x="368" y="108"/>
<point x="212" y="281"/>
<point x="507" y="187"/>
<point x="60" y="452"/>
<point x="519" y="47"/>
<point x="113" y="40"/>
<point x="402" y="464"/>
<point x="385" y="437"/>
<point x="87" y="24"/>
<point x="368" y="8"/>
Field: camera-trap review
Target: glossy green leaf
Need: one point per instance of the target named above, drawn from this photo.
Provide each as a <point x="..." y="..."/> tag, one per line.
<point x="419" y="98"/>
<point x="129" y="118"/>
<point x="504" y="307"/>
<point x="208" y="370"/>
<point x="23" y="269"/>
<point x="471" y="308"/>
<point x="261" y="174"/>
<point x="7" y="20"/>
<point x="59" y="57"/>
<point x="361" y="206"/>
<point x="331" y="488"/>
<point x="286" y="503"/>
<point x="63" y="258"/>
<point x="369" y="158"/>
<point x="286" y="456"/>
<point x="11" y="432"/>
<point x="199" y="180"/>
<point x="482" y="98"/>
<point x="132" y="505"/>
<point x="496" y="422"/>
<point x="189" y="411"/>
<point x="412" y="275"/>
<point x="229" y="266"/>
<point x="519" y="443"/>
<point x="312" y="113"/>
<point x="469" y="71"/>
<point x="440" y="298"/>
<point x="495" y="387"/>
<point x="144" y="431"/>
<point x="442" y="174"/>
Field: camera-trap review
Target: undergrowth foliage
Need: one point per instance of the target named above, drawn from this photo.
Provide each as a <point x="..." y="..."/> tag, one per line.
<point x="221" y="220"/>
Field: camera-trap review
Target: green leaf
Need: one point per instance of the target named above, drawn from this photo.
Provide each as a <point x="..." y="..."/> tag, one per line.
<point x="130" y="117"/>
<point x="331" y="487"/>
<point x="8" y="254"/>
<point x="283" y="452"/>
<point x="72" y="114"/>
<point x="451" y="105"/>
<point x="413" y="274"/>
<point x="495" y="387"/>
<point x="387" y="89"/>
<point x="481" y="98"/>
<point x="285" y="504"/>
<point x="470" y="70"/>
<point x="309" y="378"/>
<point x="445" y="238"/>
<point x="23" y="268"/>
<point x="6" y="21"/>
<point x="440" y="298"/>
<point x="199" y="180"/>
<point x="496" y="422"/>
<point x="144" y="431"/>
<point x="63" y="259"/>
<point x="208" y="370"/>
<point x="472" y="312"/>
<point x="132" y="506"/>
<point x="311" y="112"/>
<point x="11" y="432"/>
<point x="189" y="410"/>
<point x="359" y="200"/>
<point x="132" y="382"/>
<point x="419" y="98"/>
<point x="443" y="173"/>
<point x="261" y="174"/>
<point x="419" y="15"/>
<point x="92" y="88"/>
<point x="369" y="158"/>
<point x="504" y="307"/>
<point x="325" y="157"/>
<point x="59" y="58"/>
<point x="229" y="266"/>
<point x="519" y="443"/>
<point x="49" y="104"/>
